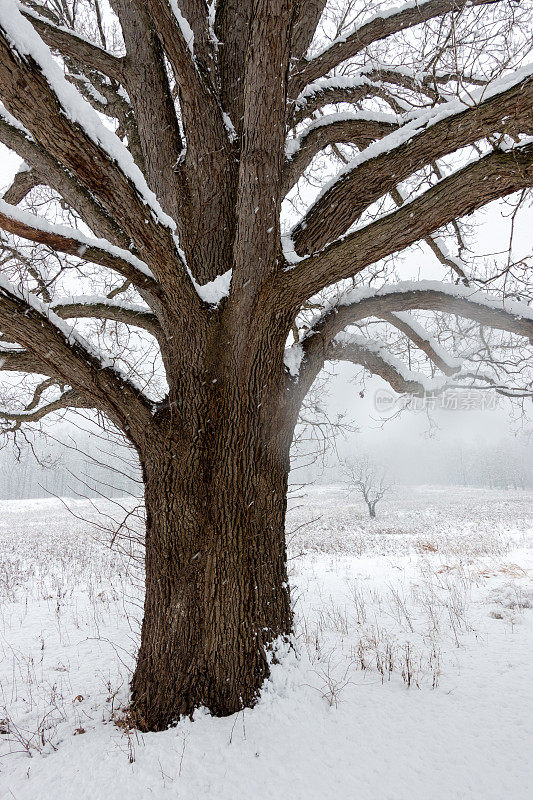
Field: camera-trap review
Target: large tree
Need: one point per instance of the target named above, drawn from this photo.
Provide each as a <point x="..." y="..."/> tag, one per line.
<point x="168" y="137"/>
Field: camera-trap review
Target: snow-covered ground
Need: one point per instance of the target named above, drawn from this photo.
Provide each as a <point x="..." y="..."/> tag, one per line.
<point x="411" y="679"/>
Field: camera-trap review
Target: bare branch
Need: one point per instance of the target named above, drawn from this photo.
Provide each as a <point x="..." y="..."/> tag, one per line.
<point x="379" y="27"/>
<point x="379" y="170"/>
<point x="495" y="175"/>
<point x="69" y="43"/>
<point x="69" y="399"/>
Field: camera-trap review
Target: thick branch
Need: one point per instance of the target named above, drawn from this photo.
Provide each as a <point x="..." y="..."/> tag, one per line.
<point x="356" y="129"/>
<point x="86" y="308"/>
<point x="69" y="43"/>
<point x="379" y="27"/>
<point x="389" y="302"/>
<point x="146" y="81"/>
<point x="378" y="171"/>
<point x="196" y="12"/>
<point x="68" y="240"/>
<point x="262" y="156"/>
<point x="22" y="361"/>
<point x="232" y="29"/>
<point x="308" y="13"/>
<point x="491" y="177"/>
<point x="52" y="174"/>
<point x="64" y="354"/>
<point x="373" y="356"/>
<point x="24" y="181"/>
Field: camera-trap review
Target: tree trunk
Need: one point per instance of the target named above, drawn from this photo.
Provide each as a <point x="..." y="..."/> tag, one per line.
<point x="217" y="596"/>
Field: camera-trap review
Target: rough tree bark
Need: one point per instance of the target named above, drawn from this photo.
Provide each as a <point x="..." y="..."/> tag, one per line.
<point x="214" y="109"/>
<point x="217" y="594"/>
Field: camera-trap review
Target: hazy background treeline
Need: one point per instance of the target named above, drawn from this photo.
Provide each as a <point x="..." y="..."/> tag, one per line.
<point x="80" y="464"/>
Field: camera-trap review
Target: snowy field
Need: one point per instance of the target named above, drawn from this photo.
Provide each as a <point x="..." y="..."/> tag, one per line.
<point x="412" y="677"/>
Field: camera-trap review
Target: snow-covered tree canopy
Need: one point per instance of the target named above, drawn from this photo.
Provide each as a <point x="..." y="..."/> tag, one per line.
<point x="170" y="171"/>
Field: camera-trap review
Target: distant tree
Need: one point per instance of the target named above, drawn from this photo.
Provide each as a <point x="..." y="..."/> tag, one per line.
<point x="368" y="479"/>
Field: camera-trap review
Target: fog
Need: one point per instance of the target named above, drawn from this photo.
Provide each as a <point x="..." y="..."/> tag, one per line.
<point x="473" y="444"/>
<point x="482" y="446"/>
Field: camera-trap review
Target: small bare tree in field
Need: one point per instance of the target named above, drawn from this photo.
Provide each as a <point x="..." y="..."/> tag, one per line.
<point x="368" y="479"/>
<point x="208" y="211"/>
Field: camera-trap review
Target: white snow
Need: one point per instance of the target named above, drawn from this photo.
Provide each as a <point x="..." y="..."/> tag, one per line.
<point x="230" y="127"/>
<point x="41" y="224"/>
<point x="184" y="26"/>
<point x="440" y="581"/>
<point x="27" y="42"/>
<point x="91" y="300"/>
<point x="420" y="121"/>
<point x="214" y="291"/>
<point x="472" y="294"/>
<point x="293" y="144"/>
<point x="14" y="122"/>
<point x="289" y="252"/>
<point x="380" y="348"/>
<point x="292" y="358"/>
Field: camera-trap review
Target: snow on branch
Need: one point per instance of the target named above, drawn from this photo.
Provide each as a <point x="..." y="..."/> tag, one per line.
<point x="389" y="303"/>
<point x="68" y="399"/>
<point x="27" y="44"/>
<point x="359" y="128"/>
<point x="69" y="240"/>
<point x="504" y="105"/>
<point x="360" y="303"/>
<point x="385" y="23"/>
<point x="369" y="82"/>
<point x="373" y="355"/>
<point x="417" y="334"/>
<point x="68" y="357"/>
<point x="73" y="45"/>
<point x="89" y="306"/>
<point x="489" y="178"/>
<point x="48" y="171"/>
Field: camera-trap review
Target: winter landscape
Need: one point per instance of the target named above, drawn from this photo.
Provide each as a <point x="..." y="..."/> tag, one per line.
<point x="266" y="338"/>
<point x="410" y="678"/>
